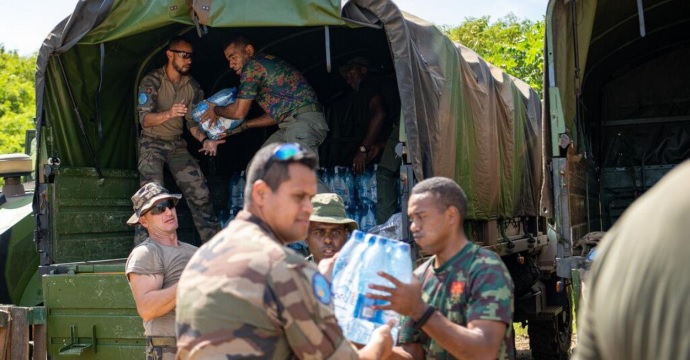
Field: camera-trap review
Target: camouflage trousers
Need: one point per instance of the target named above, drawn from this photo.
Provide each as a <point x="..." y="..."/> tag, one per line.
<point x="309" y="130"/>
<point x="160" y="348"/>
<point x="154" y="154"/>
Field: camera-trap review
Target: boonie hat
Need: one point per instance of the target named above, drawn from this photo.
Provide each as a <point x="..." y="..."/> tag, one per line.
<point x="329" y="208"/>
<point x="145" y="197"/>
<point x="356" y="61"/>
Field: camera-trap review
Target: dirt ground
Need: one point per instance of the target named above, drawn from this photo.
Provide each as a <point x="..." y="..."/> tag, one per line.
<point x="522" y="347"/>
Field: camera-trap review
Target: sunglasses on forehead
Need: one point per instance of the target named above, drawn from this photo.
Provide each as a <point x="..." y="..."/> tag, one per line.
<point x="183" y="54"/>
<point x="287" y="152"/>
<point x="160" y="207"/>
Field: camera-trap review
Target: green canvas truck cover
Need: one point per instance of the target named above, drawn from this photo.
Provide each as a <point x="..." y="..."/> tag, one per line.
<point x="461" y="117"/>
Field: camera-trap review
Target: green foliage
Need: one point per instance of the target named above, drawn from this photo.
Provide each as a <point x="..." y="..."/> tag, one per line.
<point x="513" y="45"/>
<point x="17" y="99"/>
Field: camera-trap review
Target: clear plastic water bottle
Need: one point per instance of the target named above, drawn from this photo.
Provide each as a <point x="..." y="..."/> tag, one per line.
<point x="340" y="185"/>
<point x="361" y="187"/>
<point x="368" y="219"/>
<point x="238" y="192"/>
<point x="349" y="181"/>
<point x="371" y="185"/>
<point x="231" y="187"/>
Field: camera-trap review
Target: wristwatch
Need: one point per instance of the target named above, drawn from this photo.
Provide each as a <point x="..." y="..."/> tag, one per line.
<point x="362" y="149"/>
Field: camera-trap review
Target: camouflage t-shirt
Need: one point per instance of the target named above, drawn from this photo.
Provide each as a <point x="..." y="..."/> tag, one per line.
<point x="245" y="295"/>
<point x="276" y="86"/>
<point x="473" y="285"/>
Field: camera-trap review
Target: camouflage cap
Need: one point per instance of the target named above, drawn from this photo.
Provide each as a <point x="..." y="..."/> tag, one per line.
<point x="145" y="197"/>
<point x="329" y="208"/>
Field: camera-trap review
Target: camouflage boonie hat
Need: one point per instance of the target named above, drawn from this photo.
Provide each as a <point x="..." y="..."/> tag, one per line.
<point x="145" y="197"/>
<point x="329" y="208"/>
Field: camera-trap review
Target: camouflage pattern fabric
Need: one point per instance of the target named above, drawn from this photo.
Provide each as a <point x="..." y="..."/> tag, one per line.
<point x="473" y="285"/>
<point x="245" y="295"/>
<point x="278" y="87"/>
<point x="159" y="352"/>
<point x="154" y="154"/>
<point x="309" y="131"/>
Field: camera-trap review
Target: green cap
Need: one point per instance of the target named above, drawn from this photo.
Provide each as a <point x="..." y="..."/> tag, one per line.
<point x="329" y="208"/>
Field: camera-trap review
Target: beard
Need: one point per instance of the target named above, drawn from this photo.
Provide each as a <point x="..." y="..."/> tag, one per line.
<point x="181" y="69"/>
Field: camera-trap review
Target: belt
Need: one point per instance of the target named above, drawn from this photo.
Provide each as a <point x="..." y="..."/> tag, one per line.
<point x="160" y="137"/>
<point x="162" y="341"/>
<point x="315" y="107"/>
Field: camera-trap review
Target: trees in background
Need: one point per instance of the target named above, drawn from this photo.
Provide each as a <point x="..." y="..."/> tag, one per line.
<point x="516" y="46"/>
<point x="17" y="99"/>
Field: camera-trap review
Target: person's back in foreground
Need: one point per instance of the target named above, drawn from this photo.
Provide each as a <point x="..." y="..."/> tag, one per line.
<point x="245" y="294"/>
<point x="637" y="303"/>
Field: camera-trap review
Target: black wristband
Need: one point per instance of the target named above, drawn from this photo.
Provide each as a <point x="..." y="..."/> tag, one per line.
<point x="425" y="317"/>
<point x="202" y="141"/>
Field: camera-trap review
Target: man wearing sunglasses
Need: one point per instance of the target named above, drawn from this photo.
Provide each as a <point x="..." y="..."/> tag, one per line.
<point x="165" y="100"/>
<point x="153" y="267"/>
<point x="280" y="89"/>
<point x="246" y="294"/>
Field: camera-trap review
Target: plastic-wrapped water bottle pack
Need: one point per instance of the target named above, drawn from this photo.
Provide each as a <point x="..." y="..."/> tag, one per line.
<point x="221" y="98"/>
<point x="362" y="257"/>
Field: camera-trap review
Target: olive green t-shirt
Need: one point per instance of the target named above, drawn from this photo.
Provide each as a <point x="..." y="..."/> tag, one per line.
<point x="150" y="258"/>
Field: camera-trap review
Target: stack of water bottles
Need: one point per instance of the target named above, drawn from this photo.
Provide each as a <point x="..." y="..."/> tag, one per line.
<point x="357" y="191"/>
<point x="362" y="257"/>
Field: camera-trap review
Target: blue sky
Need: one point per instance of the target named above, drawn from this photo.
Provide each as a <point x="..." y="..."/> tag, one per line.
<point x="27" y="23"/>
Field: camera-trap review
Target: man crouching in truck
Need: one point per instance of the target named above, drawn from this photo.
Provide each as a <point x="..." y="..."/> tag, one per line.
<point x="154" y="267"/>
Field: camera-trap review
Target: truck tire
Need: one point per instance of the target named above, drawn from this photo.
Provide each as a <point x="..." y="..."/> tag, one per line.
<point x="550" y="340"/>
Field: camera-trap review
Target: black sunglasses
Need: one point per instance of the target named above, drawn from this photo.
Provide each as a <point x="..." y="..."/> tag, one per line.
<point x="160" y="207"/>
<point x="183" y="54"/>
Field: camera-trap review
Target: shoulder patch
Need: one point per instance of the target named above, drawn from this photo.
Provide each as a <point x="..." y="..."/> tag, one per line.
<point x="321" y="288"/>
<point x="143" y="98"/>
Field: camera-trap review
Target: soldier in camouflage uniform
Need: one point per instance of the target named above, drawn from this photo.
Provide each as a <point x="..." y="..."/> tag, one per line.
<point x="154" y="267"/>
<point x="165" y="100"/>
<point x="464" y="305"/>
<point x="282" y="92"/>
<point x="245" y="294"/>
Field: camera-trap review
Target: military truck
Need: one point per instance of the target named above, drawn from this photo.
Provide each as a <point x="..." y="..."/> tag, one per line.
<point x="460" y="117"/>
<point x="617" y="102"/>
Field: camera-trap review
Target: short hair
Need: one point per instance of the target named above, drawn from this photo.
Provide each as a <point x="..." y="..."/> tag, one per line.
<point x="277" y="173"/>
<point x="238" y="40"/>
<point x="446" y="192"/>
<point x="178" y="40"/>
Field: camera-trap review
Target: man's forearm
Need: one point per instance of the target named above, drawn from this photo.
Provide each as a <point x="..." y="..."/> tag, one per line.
<point x="157" y="303"/>
<point x="154" y="119"/>
<point x="465" y="342"/>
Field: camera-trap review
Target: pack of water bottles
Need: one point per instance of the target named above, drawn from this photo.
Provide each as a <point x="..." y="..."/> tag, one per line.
<point x="358" y="263"/>
<point x="221" y="98"/>
<point x="357" y="191"/>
